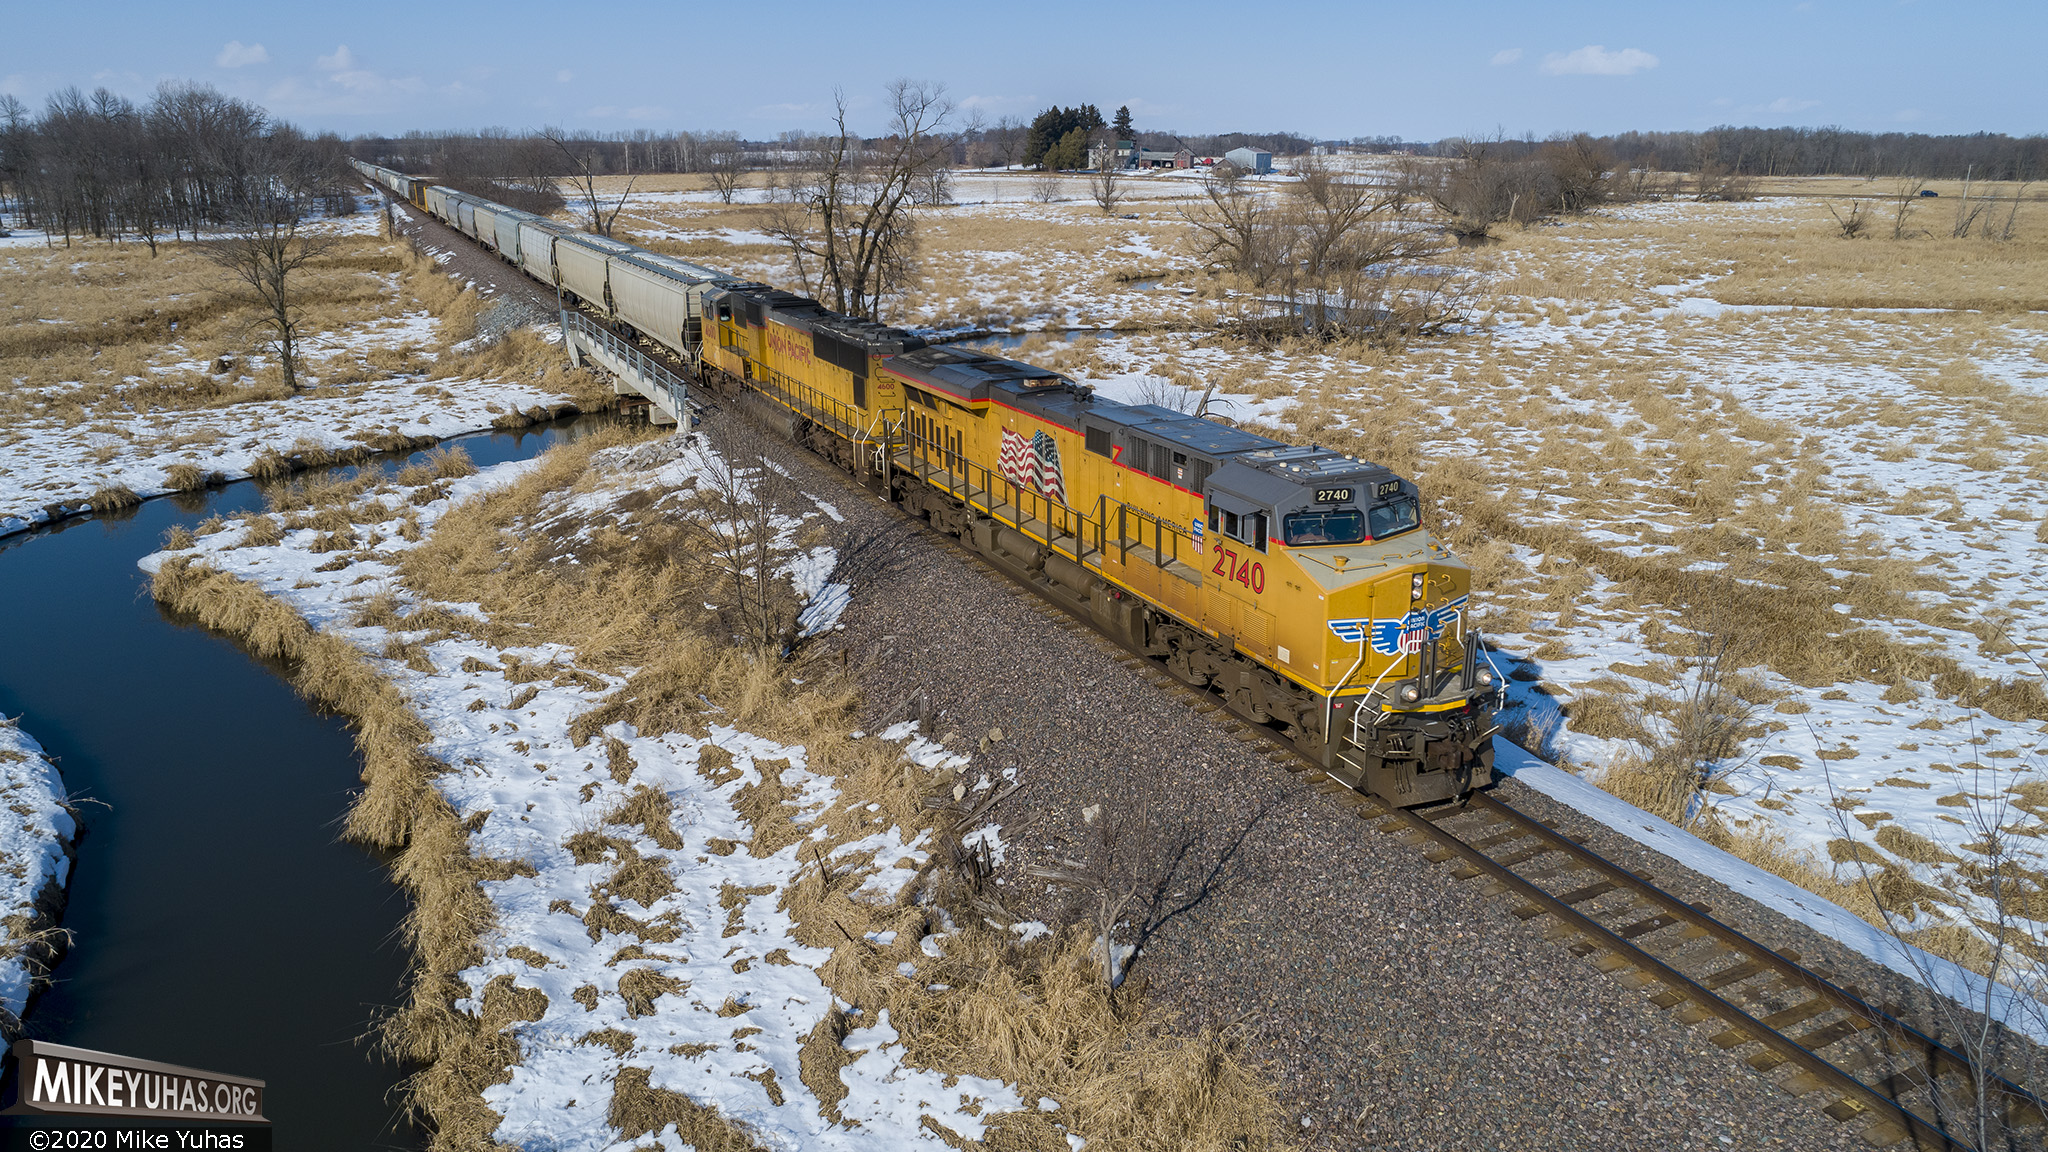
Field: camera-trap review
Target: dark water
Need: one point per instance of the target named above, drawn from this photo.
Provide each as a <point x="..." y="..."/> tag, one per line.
<point x="218" y="921"/>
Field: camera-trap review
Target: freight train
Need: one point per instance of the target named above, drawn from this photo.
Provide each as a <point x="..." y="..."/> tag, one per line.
<point x="1297" y="585"/>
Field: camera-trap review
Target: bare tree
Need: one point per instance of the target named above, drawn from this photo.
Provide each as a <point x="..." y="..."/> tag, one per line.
<point x="1145" y="860"/>
<point x="1005" y="139"/>
<point x="726" y="161"/>
<point x="1728" y="182"/>
<point x="846" y="212"/>
<point x="1997" y="906"/>
<point x="1473" y="190"/>
<point x="1236" y="227"/>
<point x="1105" y="181"/>
<point x="1578" y="168"/>
<point x="1905" y="198"/>
<point x="1334" y="251"/>
<point x="1853" y="224"/>
<point x="267" y="247"/>
<point x="1045" y="186"/>
<point x="2012" y="215"/>
<point x="583" y="173"/>
<point x="739" y="530"/>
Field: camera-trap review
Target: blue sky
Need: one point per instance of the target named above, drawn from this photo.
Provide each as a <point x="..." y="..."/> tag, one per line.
<point x="1416" y="70"/>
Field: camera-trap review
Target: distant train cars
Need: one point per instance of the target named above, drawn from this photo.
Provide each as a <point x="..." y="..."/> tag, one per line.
<point x="1296" y="584"/>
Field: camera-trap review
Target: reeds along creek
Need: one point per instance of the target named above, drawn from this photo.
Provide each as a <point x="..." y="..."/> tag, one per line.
<point x="706" y="810"/>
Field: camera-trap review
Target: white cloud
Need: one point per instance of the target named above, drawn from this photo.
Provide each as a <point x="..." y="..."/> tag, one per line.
<point x="235" y="54"/>
<point x="341" y="61"/>
<point x="1505" y="57"/>
<point x="1786" y="104"/>
<point x="564" y="76"/>
<point x="1596" y="60"/>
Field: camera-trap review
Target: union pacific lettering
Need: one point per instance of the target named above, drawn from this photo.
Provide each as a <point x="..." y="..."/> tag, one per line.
<point x="789" y="343"/>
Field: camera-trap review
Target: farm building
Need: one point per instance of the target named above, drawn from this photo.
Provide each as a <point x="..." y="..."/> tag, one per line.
<point x="1252" y="160"/>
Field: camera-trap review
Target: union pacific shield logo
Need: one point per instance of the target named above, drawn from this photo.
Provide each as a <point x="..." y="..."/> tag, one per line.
<point x="1403" y="635"/>
<point x="1408" y="633"/>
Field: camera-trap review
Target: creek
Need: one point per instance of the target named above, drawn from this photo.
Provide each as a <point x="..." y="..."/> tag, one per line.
<point x="217" y="919"/>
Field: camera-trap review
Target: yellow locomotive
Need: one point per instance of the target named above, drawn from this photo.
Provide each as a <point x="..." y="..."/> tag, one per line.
<point x="1298" y="584"/>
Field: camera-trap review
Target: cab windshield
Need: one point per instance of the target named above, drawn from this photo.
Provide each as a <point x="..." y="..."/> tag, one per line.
<point x="1349" y="526"/>
<point x="1394" y="518"/>
<point x="1312" y="528"/>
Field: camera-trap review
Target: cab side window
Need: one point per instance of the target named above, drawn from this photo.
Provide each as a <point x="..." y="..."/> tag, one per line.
<point x="1248" y="528"/>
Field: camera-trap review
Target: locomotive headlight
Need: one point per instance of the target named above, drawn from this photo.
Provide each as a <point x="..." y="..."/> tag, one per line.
<point x="1410" y="692"/>
<point x="1415" y="587"/>
<point x="1485" y="678"/>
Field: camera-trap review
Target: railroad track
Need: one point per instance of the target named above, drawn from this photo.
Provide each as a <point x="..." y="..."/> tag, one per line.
<point x="1791" y="1023"/>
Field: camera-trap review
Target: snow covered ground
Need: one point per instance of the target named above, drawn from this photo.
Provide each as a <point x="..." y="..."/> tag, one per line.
<point x="695" y="977"/>
<point x="35" y="843"/>
<point x="51" y="465"/>
<point x="1913" y="427"/>
<point x="52" y="470"/>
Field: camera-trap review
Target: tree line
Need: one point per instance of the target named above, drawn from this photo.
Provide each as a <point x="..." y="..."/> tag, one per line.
<point x="186" y="161"/>
<point x="1767" y="152"/>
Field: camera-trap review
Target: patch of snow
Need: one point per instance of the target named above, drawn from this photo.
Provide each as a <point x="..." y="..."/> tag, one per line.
<point x="34" y="844"/>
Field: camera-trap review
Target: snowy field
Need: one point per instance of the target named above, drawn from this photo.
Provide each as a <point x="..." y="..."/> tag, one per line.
<point x="695" y="977"/>
<point x="68" y="439"/>
<point x="1642" y="390"/>
<point x="35" y="843"/>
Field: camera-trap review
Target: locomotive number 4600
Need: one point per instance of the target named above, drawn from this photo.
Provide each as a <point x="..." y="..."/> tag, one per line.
<point x="1251" y="574"/>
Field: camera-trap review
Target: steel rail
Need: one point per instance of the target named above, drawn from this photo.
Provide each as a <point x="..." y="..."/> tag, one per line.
<point x="1869" y="1098"/>
<point x="1791" y="971"/>
<point x="1731" y="1014"/>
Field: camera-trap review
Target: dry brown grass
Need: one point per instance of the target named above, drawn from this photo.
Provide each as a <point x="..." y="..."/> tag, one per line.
<point x="113" y="498"/>
<point x="1038" y="1016"/>
<point x="400" y="811"/>
<point x="88" y="325"/>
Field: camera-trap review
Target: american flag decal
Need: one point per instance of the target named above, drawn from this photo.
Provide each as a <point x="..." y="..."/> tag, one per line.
<point x="1033" y="463"/>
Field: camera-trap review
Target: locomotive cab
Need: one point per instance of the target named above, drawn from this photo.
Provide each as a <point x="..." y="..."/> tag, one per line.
<point x="1372" y="611"/>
